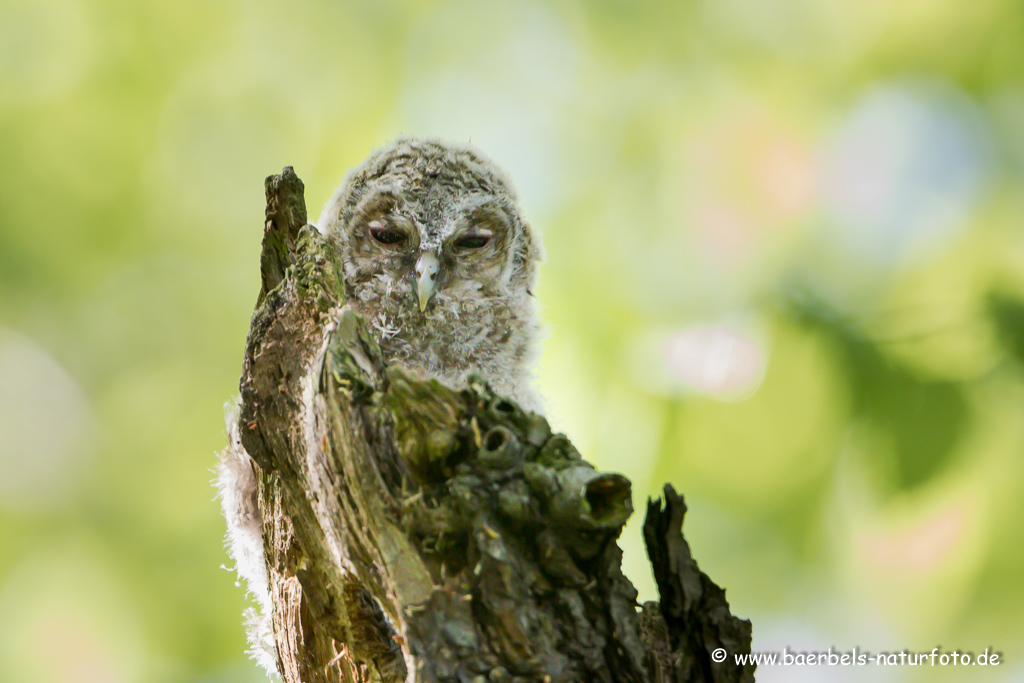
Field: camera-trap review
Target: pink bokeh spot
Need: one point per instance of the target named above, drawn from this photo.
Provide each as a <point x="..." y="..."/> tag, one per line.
<point x="726" y="235"/>
<point x="715" y="360"/>
<point x="787" y="177"/>
<point x="751" y="179"/>
<point x="921" y="548"/>
<point x="72" y="649"/>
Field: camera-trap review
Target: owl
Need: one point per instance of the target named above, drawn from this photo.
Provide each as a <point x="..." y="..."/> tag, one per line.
<point x="437" y="258"/>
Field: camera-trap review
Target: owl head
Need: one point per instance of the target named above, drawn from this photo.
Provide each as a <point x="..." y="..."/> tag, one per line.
<point x="437" y="257"/>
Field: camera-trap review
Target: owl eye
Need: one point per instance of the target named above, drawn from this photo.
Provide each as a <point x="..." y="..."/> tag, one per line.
<point x="476" y="241"/>
<point x="385" y="235"/>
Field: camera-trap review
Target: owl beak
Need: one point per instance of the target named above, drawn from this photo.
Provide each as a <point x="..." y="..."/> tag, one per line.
<point x="426" y="278"/>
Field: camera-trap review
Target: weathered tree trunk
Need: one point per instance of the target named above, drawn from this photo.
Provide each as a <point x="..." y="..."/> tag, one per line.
<point x="416" y="533"/>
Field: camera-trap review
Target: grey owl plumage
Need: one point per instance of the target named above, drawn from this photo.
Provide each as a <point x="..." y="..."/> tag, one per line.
<point x="441" y="264"/>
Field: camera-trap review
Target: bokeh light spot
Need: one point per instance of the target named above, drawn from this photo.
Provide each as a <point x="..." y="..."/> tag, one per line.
<point x="716" y="361"/>
<point x="47" y="426"/>
<point x="905" y="171"/>
<point x="66" y="619"/>
<point x="920" y="548"/>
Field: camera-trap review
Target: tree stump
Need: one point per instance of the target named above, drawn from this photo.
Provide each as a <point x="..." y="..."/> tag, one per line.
<point x="411" y="532"/>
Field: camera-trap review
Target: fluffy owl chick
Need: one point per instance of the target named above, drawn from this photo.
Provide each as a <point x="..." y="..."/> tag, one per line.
<point x="438" y="260"/>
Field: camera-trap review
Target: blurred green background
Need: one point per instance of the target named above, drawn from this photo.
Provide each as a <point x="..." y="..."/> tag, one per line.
<point x="785" y="272"/>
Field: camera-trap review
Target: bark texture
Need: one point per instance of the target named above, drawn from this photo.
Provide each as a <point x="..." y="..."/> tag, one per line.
<point x="417" y="533"/>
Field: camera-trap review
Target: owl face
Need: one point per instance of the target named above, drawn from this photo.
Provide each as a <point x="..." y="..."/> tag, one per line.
<point x="462" y="250"/>
<point x="438" y="260"/>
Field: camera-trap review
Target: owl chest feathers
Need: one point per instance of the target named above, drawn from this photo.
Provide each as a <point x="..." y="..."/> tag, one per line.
<point x="460" y="333"/>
